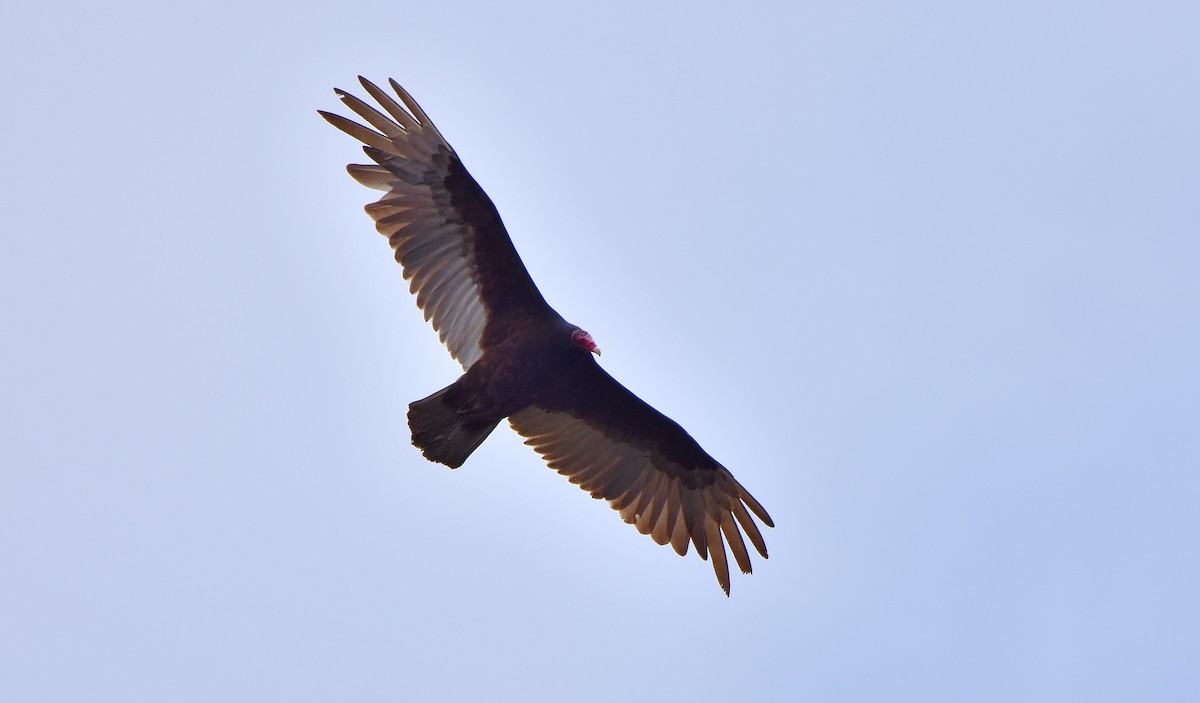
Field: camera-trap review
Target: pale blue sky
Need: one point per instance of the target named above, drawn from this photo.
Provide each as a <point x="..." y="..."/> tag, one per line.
<point x="924" y="276"/>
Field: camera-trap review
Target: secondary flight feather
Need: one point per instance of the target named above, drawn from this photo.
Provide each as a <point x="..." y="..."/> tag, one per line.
<point x="524" y="362"/>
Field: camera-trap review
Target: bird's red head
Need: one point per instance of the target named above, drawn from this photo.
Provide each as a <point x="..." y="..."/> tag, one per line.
<point x="584" y="341"/>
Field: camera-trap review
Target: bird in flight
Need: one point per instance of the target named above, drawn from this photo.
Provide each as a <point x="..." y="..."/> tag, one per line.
<point x="521" y="360"/>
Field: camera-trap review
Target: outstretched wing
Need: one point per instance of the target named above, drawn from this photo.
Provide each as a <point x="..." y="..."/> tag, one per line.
<point x="615" y="446"/>
<point x="446" y="232"/>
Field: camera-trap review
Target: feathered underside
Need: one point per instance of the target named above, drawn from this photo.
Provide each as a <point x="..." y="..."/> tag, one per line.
<point x="674" y="504"/>
<point x="472" y="286"/>
<point x="446" y="233"/>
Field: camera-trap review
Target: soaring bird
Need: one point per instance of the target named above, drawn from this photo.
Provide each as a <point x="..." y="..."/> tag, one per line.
<point x="521" y="359"/>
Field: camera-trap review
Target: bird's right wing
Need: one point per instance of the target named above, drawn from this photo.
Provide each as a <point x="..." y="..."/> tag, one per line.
<point x="446" y="233"/>
<point x="617" y="447"/>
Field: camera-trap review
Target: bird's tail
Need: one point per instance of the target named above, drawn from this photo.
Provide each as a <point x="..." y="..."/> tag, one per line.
<point x="442" y="433"/>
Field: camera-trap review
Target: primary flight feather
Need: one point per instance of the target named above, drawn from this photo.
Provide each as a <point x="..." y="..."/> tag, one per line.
<point x="523" y="361"/>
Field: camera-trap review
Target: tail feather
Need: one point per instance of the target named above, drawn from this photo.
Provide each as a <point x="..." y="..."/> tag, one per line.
<point x="441" y="433"/>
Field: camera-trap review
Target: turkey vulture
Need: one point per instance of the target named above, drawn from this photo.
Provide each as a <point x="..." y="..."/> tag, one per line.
<point x="524" y="362"/>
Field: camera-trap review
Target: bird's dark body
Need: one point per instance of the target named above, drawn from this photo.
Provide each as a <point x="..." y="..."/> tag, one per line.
<point x="521" y="360"/>
<point x="530" y="365"/>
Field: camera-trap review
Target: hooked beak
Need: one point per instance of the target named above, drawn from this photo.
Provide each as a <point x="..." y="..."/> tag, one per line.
<point x="583" y="340"/>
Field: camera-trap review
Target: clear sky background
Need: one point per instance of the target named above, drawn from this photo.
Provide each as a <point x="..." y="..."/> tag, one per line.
<point x="925" y="276"/>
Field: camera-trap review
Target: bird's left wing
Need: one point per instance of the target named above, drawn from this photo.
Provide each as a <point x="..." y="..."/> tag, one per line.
<point x="614" y="445"/>
<point x="446" y="232"/>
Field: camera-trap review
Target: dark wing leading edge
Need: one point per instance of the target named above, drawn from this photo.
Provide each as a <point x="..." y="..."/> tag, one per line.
<point x="615" y="446"/>
<point x="445" y="230"/>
